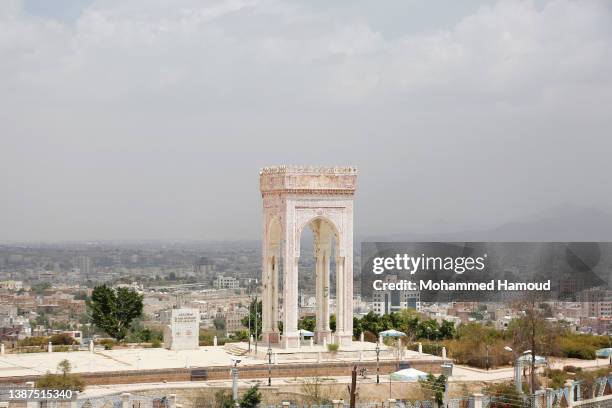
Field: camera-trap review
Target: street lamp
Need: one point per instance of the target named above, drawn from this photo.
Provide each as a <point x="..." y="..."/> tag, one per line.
<point x="250" y="301"/>
<point x="234" y="372"/>
<point x="518" y="367"/>
<point x="377" y="367"/>
<point x="256" y="319"/>
<point x="269" y="364"/>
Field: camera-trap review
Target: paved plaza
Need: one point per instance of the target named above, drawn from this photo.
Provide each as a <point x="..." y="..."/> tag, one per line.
<point x="27" y="364"/>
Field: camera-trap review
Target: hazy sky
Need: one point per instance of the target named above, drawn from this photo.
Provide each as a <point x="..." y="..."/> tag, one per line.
<point x="151" y="118"/>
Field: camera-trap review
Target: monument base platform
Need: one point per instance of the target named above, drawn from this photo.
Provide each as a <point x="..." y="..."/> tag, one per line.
<point x="356" y="351"/>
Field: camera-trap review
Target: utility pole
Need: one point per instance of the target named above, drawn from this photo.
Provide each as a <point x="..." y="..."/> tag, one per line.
<point x="250" y="301"/>
<point x="256" y="317"/>
<point x="377" y="365"/>
<point x="353" y="389"/>
<point x="269" y="364"/>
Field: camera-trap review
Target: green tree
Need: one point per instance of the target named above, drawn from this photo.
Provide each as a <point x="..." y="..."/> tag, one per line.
<point x="533" y="332"/>
<point x="251" y="398"/>
<point x="428" y="329"/>
<point x="114" y="310"/>
<point x="255" y="317"/>
<point x="308" y="323"/>
<point x="219" y="323"/>
<point x="433" y="387"/>
<point x="447" y="330"/>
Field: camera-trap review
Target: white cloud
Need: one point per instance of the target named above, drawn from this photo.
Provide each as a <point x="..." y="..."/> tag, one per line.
<point x="173" y="79"/>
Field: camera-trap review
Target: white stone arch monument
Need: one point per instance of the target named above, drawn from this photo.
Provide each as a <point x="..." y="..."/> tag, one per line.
<point x="294" y="198"/>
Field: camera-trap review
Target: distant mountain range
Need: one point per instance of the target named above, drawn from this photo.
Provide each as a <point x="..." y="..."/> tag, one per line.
<point x="563" y="223"/>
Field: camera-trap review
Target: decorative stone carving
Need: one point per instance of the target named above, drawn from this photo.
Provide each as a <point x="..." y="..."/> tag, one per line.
<point x="293" y="198"/>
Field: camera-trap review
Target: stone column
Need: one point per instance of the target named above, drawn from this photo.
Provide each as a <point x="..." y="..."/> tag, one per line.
<point x="318" y="289"/>
<point x="74" y="403"/>
<point x="322" y="252"/>
<point x="477" y="400"/>
<point x="125" y="400"/>
<point x="270" y="257"/>
<point x="570" y="394"/>
<point x="267" y="290"/>
<point x="340" y="293"/>
<point x="275" y="316"/>
<point x="30" y="403"/>
<point x="344" y="302"/>
<point x="290" y="287"/>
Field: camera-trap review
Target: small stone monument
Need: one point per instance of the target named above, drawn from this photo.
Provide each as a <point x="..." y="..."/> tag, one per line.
<point x="183" y="332"/>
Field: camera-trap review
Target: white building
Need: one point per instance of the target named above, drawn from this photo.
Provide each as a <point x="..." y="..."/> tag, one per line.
<point x="11" y="285"/>
<point x="226" y="282"/>
<point x="596" y="302"/>
<point x="387" y="301"/>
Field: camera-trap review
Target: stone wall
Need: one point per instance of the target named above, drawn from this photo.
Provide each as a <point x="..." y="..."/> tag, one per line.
<point x="253" y="371"/>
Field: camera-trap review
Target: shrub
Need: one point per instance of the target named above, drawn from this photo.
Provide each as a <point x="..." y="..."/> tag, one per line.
<point x="62" y="339"/>
<point x="223" y="399"/>
<point x="557" y="377"/>
<point x="333" y="347"/>
<point x="251" y="398"/>
<point x="474" y="353"/>
<point x="156" y="343"/>
<point x="504" y="395"/>
<point x="33" y="341"/>
<point x="107" y="343"/>
<point x="62" y="381"/>
<point x="572" y="369"/>
<point x="369" y="337"/>
<point x="582" y="346"/>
